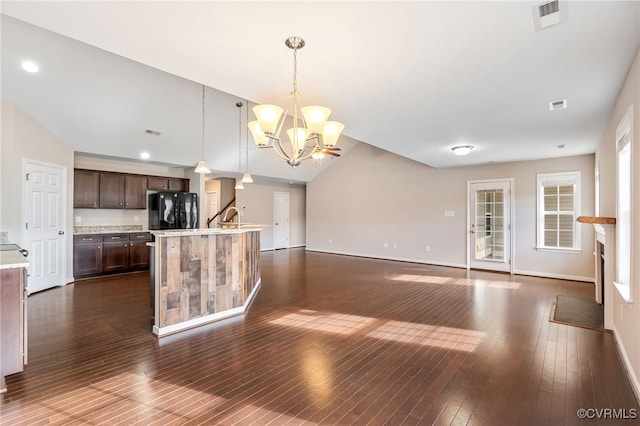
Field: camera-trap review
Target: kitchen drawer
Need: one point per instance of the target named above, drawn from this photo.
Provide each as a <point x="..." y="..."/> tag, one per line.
<point x="87" y="238"/>
<point x="115" y="237"/>
<point x="140" y="236"/>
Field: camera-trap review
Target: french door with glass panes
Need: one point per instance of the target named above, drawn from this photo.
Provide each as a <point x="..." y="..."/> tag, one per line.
<point x="489" y="243"/>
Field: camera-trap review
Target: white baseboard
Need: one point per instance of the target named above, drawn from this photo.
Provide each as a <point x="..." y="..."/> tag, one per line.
<point x="633" y="379"/>
<point x="556" y="276"/>
<point x="291" y="246"/>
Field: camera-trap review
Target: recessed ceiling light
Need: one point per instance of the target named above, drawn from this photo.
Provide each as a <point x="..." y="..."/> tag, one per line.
<point x="561" y="146"/>
<point x="145" y="155"/>
<point x="30" y="67"/>
<point x="462" y="149"/>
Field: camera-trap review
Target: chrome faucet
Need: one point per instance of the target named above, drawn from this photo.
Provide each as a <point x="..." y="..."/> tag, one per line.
<point x="224" y="218"/>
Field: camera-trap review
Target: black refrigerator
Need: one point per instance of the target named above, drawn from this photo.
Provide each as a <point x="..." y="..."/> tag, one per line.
<point x="173" y="210"/>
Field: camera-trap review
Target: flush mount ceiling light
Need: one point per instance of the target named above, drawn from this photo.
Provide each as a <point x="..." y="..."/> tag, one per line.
<point x="30" y="67"/>
<point x="462" y="149"/>
<point x="202" y="166"/>
<point x="311" y="136"/>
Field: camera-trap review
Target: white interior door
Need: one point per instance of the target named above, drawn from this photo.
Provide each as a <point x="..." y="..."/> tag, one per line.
<point x="489" y="243"/>
<point x="212" y="207"/>
<point x="280" y="220"/>
<point x="45" y="234"/>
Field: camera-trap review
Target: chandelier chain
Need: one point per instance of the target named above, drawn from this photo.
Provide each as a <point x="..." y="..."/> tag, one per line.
<point x="295" y="70"/>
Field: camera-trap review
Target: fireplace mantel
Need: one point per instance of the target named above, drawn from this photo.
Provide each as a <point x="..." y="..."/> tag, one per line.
<point x="597" y="220"/>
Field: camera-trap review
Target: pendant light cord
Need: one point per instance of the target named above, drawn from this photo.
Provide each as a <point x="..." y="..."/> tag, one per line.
<point x="202" y="122"/>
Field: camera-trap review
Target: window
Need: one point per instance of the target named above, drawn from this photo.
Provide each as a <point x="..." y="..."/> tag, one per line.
<point x="623" y="207"/>
<point x="558" y="208"/>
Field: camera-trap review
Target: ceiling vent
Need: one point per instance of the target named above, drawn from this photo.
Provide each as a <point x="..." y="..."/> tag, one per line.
<point x="152" y="132"/>
<point x="549" y="13"/>
<point x="556" y="105"/>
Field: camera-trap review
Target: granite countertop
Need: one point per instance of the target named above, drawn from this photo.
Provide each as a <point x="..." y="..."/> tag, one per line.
<point x="12" y="259"/>
<point x="122" y="229"/>
<point x="206" y="231"/>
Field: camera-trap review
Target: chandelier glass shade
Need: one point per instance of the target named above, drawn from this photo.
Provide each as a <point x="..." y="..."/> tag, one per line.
<point x="312" y="135"/>
<point x="202" y="166"/>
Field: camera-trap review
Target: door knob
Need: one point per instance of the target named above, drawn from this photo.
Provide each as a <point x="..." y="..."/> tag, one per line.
<point x="60" y="232"/>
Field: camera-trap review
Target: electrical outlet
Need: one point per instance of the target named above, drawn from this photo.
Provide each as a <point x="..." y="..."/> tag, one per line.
<point x="449" y="213"/>
<point x="385" y="245"/>
<point x="330" y="241"/>
<point x="427" y="248"/>
<point x="395" y="246"/>
<point x="136" y="219"/>
<point x="78" y="219"/>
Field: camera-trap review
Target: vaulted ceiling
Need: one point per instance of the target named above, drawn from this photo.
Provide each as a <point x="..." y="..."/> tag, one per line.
<point x="413" y="78"/>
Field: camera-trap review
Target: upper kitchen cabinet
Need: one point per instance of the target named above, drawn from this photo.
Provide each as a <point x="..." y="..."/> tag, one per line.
<point x="118" y="191"/>
<point x="111" y="191"/>
<point x="159" y="183"/>
<point x="95" y="189"/>
<point x="135" y="192"/>
<point x="86" y="189"/>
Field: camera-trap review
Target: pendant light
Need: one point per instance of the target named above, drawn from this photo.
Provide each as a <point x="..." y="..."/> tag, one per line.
<point x="239" y="184"/>
<point x="202" y="166"/>
<point x="246" y="178"/>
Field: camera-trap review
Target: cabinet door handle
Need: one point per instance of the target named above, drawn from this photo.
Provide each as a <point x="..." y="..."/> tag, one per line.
<point x="131" y="245"/>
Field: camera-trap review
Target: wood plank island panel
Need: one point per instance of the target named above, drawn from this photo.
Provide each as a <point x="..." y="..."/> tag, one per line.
<point x="204" y="277"/>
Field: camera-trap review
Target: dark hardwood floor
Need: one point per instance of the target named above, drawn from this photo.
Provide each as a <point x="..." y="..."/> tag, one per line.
<point x="328" y="340"/>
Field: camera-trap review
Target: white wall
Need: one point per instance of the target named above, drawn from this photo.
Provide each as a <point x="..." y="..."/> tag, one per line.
<point x="371" y="197"/>
<point x="255" y="204"/>
<point x="626" y="316"/>
<point x="24" y="138"/>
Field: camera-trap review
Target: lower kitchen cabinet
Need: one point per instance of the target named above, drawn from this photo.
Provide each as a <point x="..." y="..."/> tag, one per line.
<point x="139" y="251"/>
<point x="87" y="255"/>
<point x="13" y="322"/>
<point x="102" y="254"/>
<point x="115" y="253"/>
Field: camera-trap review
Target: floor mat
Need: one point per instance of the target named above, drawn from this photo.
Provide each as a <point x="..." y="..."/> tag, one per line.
<point x="578" y="311"/>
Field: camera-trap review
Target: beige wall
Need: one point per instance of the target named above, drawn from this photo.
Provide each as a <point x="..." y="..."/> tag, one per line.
<point x="371" y="197"/>
<point x="626" y="316"/>
<point x="24" y="138"/>
<point x="255" y="203"/>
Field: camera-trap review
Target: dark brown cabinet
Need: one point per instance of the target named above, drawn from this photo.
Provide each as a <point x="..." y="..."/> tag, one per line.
<point x="135" y="192"/>
<point x="87" y="255"/>
<point x="111" y="191"/>
<point x="179" y="185"/>
<point x="158" y="183"/>
<point x="13" y="323"/>
<point x="139" y="251"/>
<point x="99" y="254"/>
<point x="86" y="189"/>
<point x="115" y="253"/>
<point x="118" y="191"/>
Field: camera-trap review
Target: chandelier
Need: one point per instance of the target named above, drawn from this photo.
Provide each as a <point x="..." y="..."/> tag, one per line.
<point x="311" y="136"/>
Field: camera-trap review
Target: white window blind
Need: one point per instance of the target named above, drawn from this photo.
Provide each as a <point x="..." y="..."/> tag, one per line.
<point x="558" y="208"/>
<point x="623" y="219"/>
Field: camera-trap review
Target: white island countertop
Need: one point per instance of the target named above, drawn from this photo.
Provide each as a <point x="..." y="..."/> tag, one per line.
<point x="248" y="227"/>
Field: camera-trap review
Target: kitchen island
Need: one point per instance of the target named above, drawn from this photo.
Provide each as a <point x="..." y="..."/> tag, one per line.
<point x="202" y="275"/>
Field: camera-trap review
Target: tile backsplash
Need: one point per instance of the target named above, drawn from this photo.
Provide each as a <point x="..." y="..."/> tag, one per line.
<point x="110" y="217"/>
